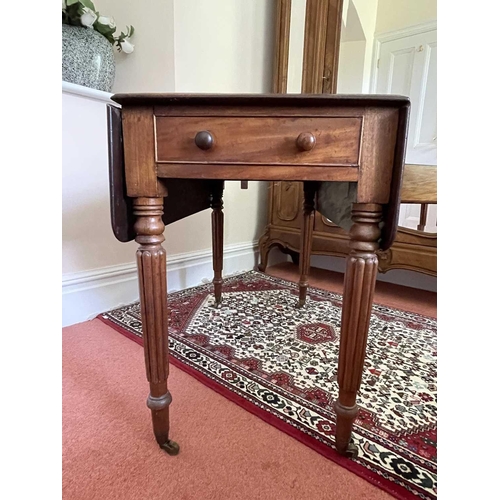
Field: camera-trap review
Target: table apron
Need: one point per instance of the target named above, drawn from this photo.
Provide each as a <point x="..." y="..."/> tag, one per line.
<point x="257" y="172"/>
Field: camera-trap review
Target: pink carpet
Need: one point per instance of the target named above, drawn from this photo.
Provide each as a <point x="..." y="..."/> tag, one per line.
<point x="226" y="453"/>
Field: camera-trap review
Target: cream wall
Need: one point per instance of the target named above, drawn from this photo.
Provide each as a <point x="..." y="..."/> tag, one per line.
<point x="356" y="46"/>
<point x="397" y="14"/>
<point x="367" y="12"/>
<point x="296" y="46"/>
<point x="223" y="46"/>
<point x="351" y="67"/>
<point x="150" y="68"/>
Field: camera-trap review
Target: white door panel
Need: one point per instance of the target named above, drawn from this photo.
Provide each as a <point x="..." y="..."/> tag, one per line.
<point x="399" y="74"/>
<point x="408" y="66"/>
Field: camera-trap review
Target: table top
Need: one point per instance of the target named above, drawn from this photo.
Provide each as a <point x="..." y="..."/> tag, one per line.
<point x="299" y="100"/>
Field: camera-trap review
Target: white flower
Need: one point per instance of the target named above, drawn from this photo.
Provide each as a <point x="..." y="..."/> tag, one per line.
<point x="88" y="17"/>
<point x="107" y="21"/>
<point x="127" y="47"/>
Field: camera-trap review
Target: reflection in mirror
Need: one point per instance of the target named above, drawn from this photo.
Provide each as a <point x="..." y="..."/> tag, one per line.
<point x="387" y="47"/>
<point x="356" y="47"/>
<point x="390" y="47"/>
<point x="296" y="47"/>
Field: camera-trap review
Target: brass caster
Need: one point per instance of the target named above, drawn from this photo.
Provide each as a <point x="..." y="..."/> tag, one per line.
<point x="301" y="303"/>
<point x="218" y="305"/>
<point x="171" y="447"/>
<point x="352" y="451"/>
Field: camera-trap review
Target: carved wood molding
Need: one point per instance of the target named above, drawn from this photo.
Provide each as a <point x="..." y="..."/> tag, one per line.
<point x="314" y="46"/>
<point x="282" y="45"/>
<point x="419" y="254"/>
<point x="321" y="46"/>
<point x="332" y="51"/>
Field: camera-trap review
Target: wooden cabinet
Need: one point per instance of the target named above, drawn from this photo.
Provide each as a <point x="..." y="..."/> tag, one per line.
<point x="412" y="250"/>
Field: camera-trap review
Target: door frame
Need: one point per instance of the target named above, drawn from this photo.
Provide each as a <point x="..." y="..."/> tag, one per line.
<point x="390" y="36"/>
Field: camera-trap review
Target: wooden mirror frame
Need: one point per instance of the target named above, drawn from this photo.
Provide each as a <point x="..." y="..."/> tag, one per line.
<point x="412" y="250"/>
<point x="321" y="46"/>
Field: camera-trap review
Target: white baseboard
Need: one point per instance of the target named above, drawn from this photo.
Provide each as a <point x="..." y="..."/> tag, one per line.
<point x="397" y="276"/>
<point x="89" y="293"/>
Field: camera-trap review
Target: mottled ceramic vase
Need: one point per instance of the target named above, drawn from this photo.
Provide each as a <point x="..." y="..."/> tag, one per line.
<point x="87" y="58"/>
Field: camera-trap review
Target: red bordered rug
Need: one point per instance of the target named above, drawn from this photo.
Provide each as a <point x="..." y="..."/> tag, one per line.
<point x="280" y="362"/>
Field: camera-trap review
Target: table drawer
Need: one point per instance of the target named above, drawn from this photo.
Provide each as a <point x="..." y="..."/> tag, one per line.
<point x="259" y="140"/>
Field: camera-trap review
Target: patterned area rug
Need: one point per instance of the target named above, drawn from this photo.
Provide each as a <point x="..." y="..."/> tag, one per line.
<point x="280" y="363"/>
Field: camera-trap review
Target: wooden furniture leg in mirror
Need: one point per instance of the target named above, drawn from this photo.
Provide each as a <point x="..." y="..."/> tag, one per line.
<point x="216" y="204"/>
<point x="152" y="273"/>
<point x="359" y="285"/>
<point x="423" y="217"/>
<point x="306" y="239"/>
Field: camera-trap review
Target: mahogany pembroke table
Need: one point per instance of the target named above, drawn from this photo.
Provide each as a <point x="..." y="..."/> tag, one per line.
<point x="170" y="155"/>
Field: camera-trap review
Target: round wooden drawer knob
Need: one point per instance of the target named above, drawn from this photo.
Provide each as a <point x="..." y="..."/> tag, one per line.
<point x="204" y="140"/>
<point x="306" y="141"/>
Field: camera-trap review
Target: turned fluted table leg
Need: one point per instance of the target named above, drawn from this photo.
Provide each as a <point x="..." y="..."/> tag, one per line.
<point x="359" y="285"/>
<point x="217" y="237"/>
<point x="306" y="239"/>
<point x="152" y="272"/>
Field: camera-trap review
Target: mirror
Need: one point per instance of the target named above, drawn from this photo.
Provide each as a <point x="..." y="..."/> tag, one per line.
<point x="384" y="47"/>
